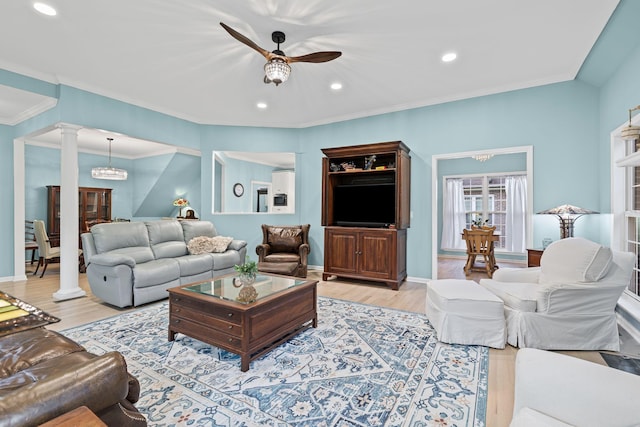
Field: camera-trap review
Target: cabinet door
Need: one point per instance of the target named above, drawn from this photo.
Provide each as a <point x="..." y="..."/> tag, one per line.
<point x="340" y="251"/>
<point x="376" y="254"/>
<point x="105" y="205"/>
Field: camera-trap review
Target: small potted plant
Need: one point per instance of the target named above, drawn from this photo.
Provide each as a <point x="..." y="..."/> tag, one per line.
<point x="247" y="272"/>
<point x="478" y="222"/>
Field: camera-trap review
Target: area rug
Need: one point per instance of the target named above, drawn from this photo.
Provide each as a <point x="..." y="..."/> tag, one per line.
<point x="362" y="366"/>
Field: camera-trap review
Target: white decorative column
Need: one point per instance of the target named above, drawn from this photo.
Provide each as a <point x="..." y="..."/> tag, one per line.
<point x="18" y="210"/>
<point x="69" y="215"/>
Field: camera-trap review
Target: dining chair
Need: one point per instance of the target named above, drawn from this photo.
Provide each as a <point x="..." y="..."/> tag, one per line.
<point x="480" y="243"/>
<point x="46" y="252"/>
<point x="30" y="243"/>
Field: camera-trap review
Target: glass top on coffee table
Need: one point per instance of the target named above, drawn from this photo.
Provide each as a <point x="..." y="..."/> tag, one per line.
<point x="229" y="287"/>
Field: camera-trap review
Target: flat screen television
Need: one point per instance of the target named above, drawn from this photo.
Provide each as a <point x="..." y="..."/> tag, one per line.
<point x="364" y="205"/>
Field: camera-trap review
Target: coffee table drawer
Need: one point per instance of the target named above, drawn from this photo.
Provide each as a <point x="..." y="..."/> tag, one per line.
<point x="208" y="320"/>
<point x="205" y="333"/>
<point x="193" y="305"/>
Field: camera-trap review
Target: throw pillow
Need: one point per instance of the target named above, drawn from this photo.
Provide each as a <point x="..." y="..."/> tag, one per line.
<point x="200" y="245"/>
<point x="284" y="239"/>
<point x="220" y="243"/>
<point x="573" y="260"/>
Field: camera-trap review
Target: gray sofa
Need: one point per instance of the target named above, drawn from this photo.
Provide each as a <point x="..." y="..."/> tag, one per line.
<point x="133" y="263"/>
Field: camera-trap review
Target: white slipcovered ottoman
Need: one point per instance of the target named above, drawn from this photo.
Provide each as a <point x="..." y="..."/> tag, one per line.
<point x="463" y="312"/>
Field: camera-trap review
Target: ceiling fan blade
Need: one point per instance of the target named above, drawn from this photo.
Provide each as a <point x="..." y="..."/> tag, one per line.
<point x="242" y="39"/>
<point x="315" y="57"/>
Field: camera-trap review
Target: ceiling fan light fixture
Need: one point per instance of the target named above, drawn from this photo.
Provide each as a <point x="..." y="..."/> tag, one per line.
<point x="109" y="172"/>
<point x="277" y="71"/>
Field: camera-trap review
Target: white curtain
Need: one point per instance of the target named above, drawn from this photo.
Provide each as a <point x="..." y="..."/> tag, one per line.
<point x="515" y="224"/>
<point x="453" y="215"/>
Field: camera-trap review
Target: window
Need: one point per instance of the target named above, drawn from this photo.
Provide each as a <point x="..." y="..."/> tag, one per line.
<point x="485" y="199"/>
<point x="632" y="213"/>
<point x="497" y="199"/>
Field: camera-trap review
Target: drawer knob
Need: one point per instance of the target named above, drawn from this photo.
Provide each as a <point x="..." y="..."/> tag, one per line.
<point x="177" y="310"/>
<point x="176" y="299"/>
<point x="230" y="327"/>
<point x="230" y="315"/>
<point x="177" y="321"/>
<point x="230" y="339"/>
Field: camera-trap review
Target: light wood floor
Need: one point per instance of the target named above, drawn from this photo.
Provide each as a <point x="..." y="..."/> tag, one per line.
<point x="411" y="297"/>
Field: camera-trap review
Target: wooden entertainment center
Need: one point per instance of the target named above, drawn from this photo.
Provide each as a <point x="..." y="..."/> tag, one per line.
<point x="366" y="211"/>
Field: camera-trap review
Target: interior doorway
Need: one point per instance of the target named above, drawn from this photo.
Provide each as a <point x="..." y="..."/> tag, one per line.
<point x="436" y="192"/>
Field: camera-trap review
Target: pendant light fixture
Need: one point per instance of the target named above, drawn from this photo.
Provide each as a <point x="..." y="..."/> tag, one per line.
<point x="109" y="172"/>
<point x="631" y="133"/>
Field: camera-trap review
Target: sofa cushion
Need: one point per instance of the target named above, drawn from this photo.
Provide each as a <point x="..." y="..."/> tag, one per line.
<point x="129" y="238"/>
<point x="166" y="239"/>
<point x="574" y="260"/>
<point x="155" y="272"/>
<point x="518" y="296"/>
<point x="225" y="260"/>
<point x="193" y="229"/>
<point x="284" y="239"/>
<point x="282" y="257"/>
<point x="140" y="254"/>
<point x="24" y="349"/>
<point x="191" y="265"/>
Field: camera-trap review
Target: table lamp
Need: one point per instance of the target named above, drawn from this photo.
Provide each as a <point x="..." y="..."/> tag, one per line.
<point x="567" y="214"/>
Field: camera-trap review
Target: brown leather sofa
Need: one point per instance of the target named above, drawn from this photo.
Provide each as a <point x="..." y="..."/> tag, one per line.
<point x="44" y="375"/>
<point x="284" y="249"/>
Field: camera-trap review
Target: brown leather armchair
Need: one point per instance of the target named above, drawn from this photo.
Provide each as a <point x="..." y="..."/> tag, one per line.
<point x="43" y="375"/>
<point x="284" y="249"/>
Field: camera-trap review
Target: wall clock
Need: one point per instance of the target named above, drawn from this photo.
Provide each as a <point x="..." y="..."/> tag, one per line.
<point x="238" y="190"/>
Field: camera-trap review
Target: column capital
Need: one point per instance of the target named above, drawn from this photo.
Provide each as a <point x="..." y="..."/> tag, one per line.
<point x="68" y="128"/>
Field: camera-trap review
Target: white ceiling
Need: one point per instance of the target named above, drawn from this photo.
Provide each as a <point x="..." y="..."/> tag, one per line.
<point x="173" y="56"/>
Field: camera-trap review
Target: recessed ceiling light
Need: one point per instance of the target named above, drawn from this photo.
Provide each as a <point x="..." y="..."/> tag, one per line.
<point x="449" y="56"/>
<point x="45" y="9"/>
<point x="261" y="105"/>
<point x="336" y="86"/>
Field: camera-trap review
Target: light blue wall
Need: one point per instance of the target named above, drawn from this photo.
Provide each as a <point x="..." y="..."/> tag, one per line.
<point x="568" y="125"/>
<point x="242" y="172"/>
<point x="42" y="168"/>
<point x="234" y="138"/>
<point x="559" y="120"/>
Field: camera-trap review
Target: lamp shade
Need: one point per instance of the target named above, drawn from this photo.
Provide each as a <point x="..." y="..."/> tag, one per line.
<point x="567" y="215"/>
<point x="568" y="210"/>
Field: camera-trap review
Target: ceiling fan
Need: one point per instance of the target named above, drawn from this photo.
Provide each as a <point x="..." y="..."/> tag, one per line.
<point x="277" y="68"/>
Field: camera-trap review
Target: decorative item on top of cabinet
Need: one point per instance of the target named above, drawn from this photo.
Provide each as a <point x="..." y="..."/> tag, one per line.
<point x="366" y="211"/>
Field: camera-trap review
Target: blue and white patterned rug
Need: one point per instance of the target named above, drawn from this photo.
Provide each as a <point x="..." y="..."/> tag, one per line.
<point x="362" y="366"/>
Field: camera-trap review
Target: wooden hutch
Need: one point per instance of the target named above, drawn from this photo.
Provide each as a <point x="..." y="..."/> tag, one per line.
<point x="94" y="203"/>
<point x="366" y="211"/>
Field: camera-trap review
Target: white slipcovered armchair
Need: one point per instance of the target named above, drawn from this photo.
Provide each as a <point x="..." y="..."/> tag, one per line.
<point x="557" y="390"/>
<point x="568" y="303"/>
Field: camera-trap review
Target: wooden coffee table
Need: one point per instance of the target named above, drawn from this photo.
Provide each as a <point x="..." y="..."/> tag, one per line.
<point x="209" y="312"/>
